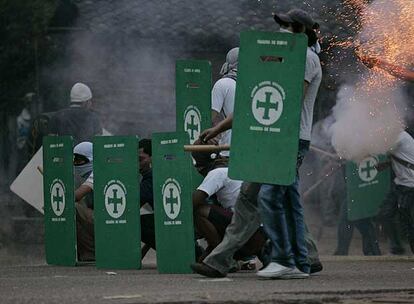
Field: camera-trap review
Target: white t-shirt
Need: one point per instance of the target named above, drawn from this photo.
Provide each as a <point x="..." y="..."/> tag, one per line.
<point x="222" y="101"/>
<point x="313" y="76"/>
<point x="217" y="182"/>
<point x="403" y="149"/>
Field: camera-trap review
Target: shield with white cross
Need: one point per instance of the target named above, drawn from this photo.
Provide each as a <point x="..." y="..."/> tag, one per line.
<point x="171" y="198"/>
<point x="59" y="201"/>
<point x="193" y="97"/>
<point x="269" y="93"/>
<point x="366" y="187"/>
<point x="174" y="229"/>
<point x="116" y="202"/>
<point x="193" y="101"/>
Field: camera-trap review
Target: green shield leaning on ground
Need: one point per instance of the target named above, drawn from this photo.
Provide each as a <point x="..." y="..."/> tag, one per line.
<point x="59" y="201"/>
<point x="174" y="228"/>
<point x="366" y="187"/>
<point x="116" y="202"/>
<point x="193" y="97"/>
<point x="193" y="101"/>
<point x="269" y="93"/>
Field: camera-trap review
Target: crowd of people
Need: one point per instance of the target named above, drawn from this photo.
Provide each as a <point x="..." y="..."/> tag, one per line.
<point x="243" y="220"/>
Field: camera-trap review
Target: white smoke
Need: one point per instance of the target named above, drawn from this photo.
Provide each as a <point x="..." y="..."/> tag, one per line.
<point x="369" y="115"/>
<point x="367" y="122"/>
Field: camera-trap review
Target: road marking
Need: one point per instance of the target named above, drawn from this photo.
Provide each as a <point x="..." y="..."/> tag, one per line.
<point x="117" y="297"/>
<point x="216" y="280"/>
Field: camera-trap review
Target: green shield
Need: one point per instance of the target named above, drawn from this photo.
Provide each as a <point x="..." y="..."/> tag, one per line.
<point x="193" y="97"/>
<point x="174" y="229"/>
<point x="269" y="95"/>
<point x="366" y="187"/>
<point x="116" y="202"/>
<point x="59" y="201"/>
<point x="193" y="101"/>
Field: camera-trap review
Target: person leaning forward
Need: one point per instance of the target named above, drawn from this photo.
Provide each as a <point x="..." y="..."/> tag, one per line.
<point x="83" y="167"/>
<point x="252" y="208"/>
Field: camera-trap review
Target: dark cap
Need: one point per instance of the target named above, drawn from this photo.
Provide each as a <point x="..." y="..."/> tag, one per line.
<point x="202" y="159"/>
<point x="296" y="15"/>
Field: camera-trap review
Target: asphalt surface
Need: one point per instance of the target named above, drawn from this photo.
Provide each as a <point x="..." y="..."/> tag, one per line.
<point x="343" y="280"/>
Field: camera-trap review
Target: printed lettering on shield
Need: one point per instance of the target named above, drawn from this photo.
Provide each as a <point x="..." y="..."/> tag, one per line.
<point x="366" y="170"/>
<point x="57" y="197"/>
<point x="192" y="123"/>
<point x="267" y="102"/>
<point x="115" y="198"/>
<point x="171" y="198"/>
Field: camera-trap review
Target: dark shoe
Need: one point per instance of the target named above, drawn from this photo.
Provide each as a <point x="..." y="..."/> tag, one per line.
<point x="316" y="267"/>
<point x="206" y="270"/>
<point x="234" y="269"/>
<point x="248" y="265"/>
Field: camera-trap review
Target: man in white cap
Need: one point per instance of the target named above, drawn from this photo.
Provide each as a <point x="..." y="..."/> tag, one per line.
<point x="78" y="120"/>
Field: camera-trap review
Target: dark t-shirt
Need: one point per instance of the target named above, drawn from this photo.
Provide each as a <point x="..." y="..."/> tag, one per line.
<point x="78" y="122"/>
<point x="146" y="195"/>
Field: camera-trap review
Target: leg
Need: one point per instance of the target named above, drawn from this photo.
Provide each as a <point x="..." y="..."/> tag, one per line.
<point x="370" y="244"/>
<point x="298" y="229"/>
<point x="244" y="223"/>
<point x="345" y="231"/>
<point x="387" y="214"/>
<point x="148" y="230"/>
<point x="271" y="198"/>
<point x="85" y="232"/>
<point x="406" y="212"/>
<point x="205" y="228"/>
<point x="313" y="254"/>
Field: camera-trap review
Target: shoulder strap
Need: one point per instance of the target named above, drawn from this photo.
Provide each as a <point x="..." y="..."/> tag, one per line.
<point x="234" y="77"/>
<point x="403" y="162"/>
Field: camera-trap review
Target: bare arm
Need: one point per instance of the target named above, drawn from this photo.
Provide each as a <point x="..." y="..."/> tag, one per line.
<point x="397" y="71"/>
<point x="199" y="199"/>
<point x="215" y="117"/>
<point x="305" y="88"/>
<point x="392" y="69"/>
<point x="81" y="192"/>
<point x="382" y="166"/>
<point x="224" y="125"/>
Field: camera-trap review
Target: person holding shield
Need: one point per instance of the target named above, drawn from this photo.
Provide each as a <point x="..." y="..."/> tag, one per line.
<point x="283" y="260"/>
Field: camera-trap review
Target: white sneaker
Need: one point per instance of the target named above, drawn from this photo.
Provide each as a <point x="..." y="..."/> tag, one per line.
<point x="294" y="273"/>
<point x="273" y="270"/>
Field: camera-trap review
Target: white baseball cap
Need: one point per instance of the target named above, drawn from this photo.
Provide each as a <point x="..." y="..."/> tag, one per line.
<point x="80" y="93"/>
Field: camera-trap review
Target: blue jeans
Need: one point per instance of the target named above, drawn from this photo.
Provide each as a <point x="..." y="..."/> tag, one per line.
<point x="282" y="215"/>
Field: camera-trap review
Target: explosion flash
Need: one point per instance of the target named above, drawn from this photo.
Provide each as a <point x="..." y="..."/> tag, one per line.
<point x="372" y="113"/>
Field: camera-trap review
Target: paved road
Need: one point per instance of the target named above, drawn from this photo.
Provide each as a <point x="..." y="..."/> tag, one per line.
<point x="344" y="280"/>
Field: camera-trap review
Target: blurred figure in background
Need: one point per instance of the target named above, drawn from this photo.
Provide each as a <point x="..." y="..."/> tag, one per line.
<point x="78" y="120"/>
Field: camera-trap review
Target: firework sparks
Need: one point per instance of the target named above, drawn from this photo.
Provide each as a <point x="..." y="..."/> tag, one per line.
<point x="371" y="115"/>
<point x="385" y="32"/>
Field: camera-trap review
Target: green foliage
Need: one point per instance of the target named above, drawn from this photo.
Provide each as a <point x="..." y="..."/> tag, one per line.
<point x="23" y="32"/>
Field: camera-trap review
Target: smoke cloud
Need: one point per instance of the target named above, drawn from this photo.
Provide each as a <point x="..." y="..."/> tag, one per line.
<point x="366" y="122"/>
<point x="370" y="113"/>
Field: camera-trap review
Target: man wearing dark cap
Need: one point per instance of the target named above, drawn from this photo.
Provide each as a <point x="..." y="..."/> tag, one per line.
<point x="270" y="200"/>
<point x="280" y="207"/>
